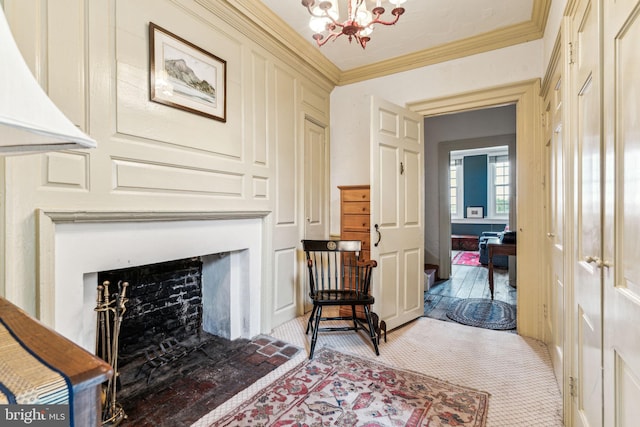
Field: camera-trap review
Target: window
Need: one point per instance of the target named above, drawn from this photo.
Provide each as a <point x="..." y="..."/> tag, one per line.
<point x="499" y="185"/>
<point x="488" y="167"/>
<point x="455" y="188"/>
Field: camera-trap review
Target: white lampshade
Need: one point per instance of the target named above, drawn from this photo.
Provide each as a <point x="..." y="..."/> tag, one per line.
<point x="29" y="120"/>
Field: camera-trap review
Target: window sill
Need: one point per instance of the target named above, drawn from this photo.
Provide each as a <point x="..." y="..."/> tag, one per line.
<point x="480" y="220"/>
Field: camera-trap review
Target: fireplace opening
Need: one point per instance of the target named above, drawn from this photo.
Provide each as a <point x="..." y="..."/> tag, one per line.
<point x="164" y="301"/>
<point x="162" y="322"/>
<point x="176" y="360"/>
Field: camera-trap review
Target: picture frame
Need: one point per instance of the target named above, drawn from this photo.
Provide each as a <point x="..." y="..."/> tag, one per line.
<point x="475" y="212"/>
<point x="185" y="76"/>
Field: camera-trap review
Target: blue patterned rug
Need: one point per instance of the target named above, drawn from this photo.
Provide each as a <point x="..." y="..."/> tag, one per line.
<point x="483" y="313"/>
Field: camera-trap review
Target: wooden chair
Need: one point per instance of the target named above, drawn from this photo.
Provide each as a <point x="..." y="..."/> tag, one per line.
<point x="337" y="277"/>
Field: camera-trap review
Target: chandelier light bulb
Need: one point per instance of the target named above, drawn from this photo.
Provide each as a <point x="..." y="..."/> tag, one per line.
<point x="318" y="25"/>
<point x="363" y="17"/>
<point x="366" y="31"/>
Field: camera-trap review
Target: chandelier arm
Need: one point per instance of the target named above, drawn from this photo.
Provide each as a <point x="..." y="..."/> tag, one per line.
<point x="323" y="41"/>
<point x="311" y="11"/>
<point x="334" y="22"/>
<point x="325" y="14"/>
<point x="397" y="12"/>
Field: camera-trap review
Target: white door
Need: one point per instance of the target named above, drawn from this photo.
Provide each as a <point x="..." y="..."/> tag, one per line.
<point x="621" y="234"/>
<point x="555" y="310"/>
<point x="315" y="181"/>
<point x="585" y="92"/>
<point x="397" y="212"/>
<point x="315" y="192"/>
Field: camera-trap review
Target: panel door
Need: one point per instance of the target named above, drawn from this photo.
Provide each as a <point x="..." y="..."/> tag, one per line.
<point x="556" y="231"/>
<point x="315" y="192"/>
<point x="397" y="212"/>
<point x="585" y="92"/>
<point x="621" y="237"/>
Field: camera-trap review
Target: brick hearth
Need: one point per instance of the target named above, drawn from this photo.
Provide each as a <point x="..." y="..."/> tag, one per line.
<point x="181" y="394"/>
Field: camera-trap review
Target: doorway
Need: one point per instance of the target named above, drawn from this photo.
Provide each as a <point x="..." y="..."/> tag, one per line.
<point x="477" y="178"/>
<point x="476" y="136"/>
<point x="524" y="95"/>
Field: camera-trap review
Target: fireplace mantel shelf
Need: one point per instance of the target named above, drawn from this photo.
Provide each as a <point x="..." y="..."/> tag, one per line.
<point x="62" y="216"/>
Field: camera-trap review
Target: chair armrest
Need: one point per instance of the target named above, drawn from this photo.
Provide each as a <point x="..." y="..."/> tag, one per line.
<point x="367" y="262"/>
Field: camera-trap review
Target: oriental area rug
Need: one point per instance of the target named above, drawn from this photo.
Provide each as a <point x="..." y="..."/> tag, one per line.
<point x="336" y="389"/>
<point x="467" y="258"/>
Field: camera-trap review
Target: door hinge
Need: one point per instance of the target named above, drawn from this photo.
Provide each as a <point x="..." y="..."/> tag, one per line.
<point x="571" y="61"/>
<point x="573" y="386"/>
<point x="545" y="311"/>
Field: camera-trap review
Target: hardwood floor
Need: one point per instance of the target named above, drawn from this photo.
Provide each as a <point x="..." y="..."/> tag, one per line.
<point x="466" y="282"/>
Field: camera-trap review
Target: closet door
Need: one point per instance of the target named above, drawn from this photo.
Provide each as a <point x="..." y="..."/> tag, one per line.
<point x="586" y="121"/>
<point x="621" y="237"/>
<point x="555" y="215"/>
<point x="316" y="224"/>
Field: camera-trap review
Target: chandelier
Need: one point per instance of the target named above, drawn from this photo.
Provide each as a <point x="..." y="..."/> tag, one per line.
<point x="359" y="24"/>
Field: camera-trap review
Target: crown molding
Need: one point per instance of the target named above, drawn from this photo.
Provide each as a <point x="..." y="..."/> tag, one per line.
<point x="271" y="32"/>
<point x="274" y="33"/>
<point x="496" y="39"/>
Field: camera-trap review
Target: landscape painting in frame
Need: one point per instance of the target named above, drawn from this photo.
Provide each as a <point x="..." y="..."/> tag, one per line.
<point x="185" y="76"/>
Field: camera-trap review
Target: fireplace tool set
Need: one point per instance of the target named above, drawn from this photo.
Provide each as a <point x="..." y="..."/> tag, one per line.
<point x="110" y="309"/>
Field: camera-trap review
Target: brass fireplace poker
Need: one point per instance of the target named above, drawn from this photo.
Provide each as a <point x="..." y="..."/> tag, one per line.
<point x="110" y="314"/>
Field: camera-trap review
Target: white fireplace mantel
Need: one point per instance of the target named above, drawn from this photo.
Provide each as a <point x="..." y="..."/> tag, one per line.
<point x="73" y="245"/>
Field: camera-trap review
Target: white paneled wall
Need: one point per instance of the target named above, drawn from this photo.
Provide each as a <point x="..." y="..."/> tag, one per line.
<point x="93" y="56"/>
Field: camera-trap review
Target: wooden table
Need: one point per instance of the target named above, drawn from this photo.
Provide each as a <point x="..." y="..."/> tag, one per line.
<point x="85" y="371"/>
<point x="498" y="249"/>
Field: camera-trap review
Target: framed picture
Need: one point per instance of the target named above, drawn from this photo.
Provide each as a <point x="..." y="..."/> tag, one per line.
<point x="475" y="212"/>
<point x="185" y="76"/>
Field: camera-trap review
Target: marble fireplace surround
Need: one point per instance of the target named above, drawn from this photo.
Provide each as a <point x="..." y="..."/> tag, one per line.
<point x="73" y="246"/>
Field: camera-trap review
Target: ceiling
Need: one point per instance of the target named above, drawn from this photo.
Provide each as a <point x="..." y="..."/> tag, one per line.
<point x="430" y="31"/>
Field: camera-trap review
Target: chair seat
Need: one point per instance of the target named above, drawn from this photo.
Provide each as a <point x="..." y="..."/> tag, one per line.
<point x="341" y="297"/>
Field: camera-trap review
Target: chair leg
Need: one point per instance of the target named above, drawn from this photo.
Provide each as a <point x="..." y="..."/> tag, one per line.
<point x="372" y="331"/>
<point x="314" y="337"/>
<point x="313" y="312"/>
<point x="355" y="320"/>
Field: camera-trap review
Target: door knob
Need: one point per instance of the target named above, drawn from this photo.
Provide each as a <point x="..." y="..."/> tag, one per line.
<point x="551" y="235"/>
<point x="379" y="235"/>
<point x="598" y="262"/>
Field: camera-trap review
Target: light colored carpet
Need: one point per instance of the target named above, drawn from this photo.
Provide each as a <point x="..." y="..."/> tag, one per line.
<point x="516" y="371"/>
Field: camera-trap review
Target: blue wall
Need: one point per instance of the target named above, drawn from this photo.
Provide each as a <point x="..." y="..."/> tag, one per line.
<point x="475" y="194"/>
<point x="475" y="182"/>
<point x="475" y="229"/>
